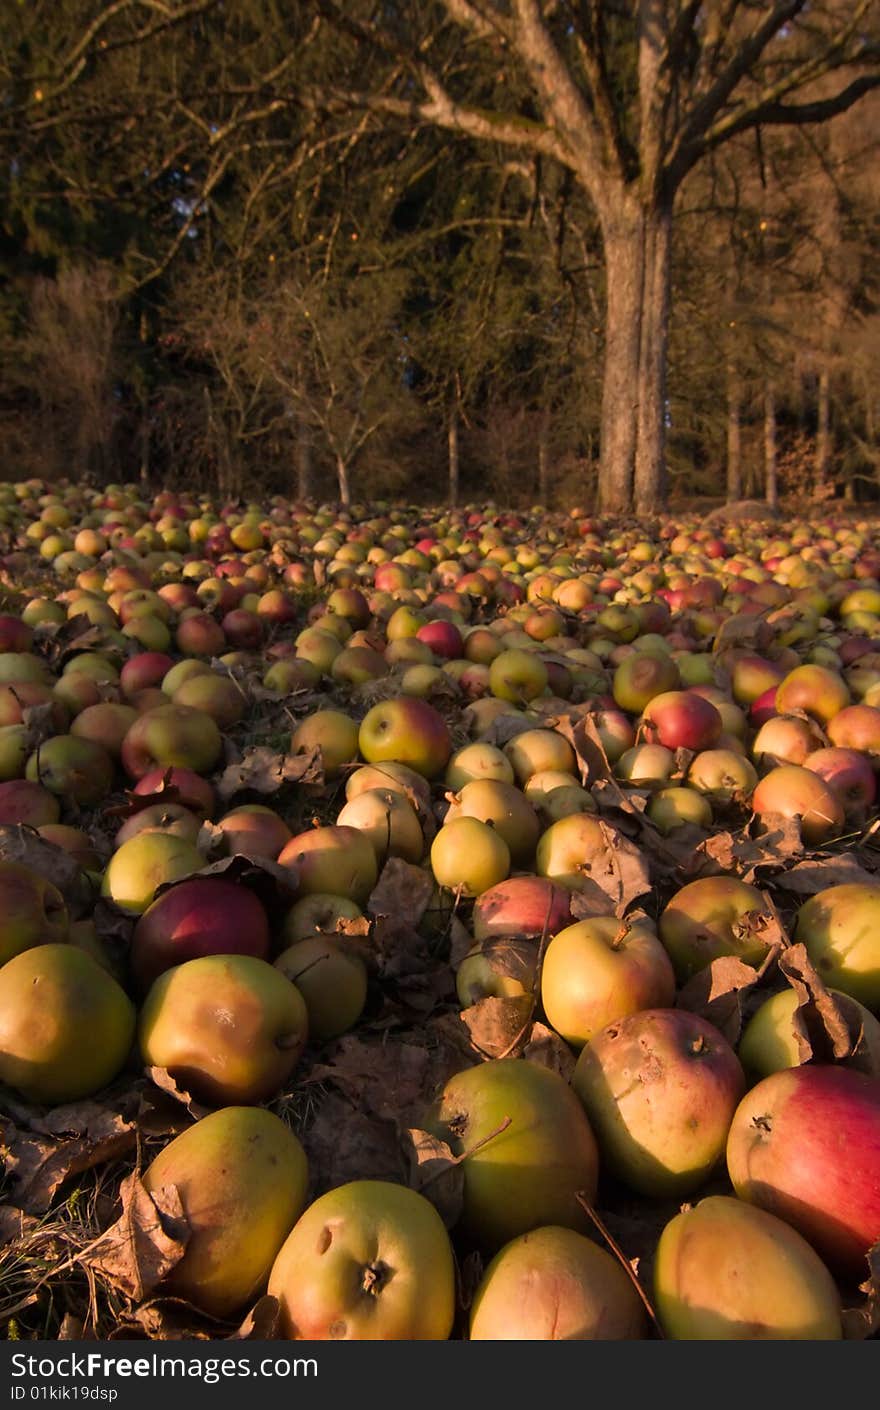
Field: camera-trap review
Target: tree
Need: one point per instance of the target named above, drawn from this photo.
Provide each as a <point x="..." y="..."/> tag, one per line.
<point x="629" y="98"/>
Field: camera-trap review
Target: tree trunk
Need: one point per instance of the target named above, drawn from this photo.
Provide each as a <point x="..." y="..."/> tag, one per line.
<point x="638" y="248"/>
<point x="771" y="489"/>
<point x="734" y="436"/>
<point x="823" y="431"/>
<point x="342" y="478"/>
<point x="543" y="459"/>
<point x="453" y="455"/>
<point x="653" y="409"/>
<point x="303" y="464"/>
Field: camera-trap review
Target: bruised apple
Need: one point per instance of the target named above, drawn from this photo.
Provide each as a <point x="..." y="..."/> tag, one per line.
<point x="367" y="1261"/>
<point x="660" y="1088"/>
<point x="726" y="1271"/>
<point x="229" y="1028"/>
<point x="521" y="905"/>
<point x="525" y="1146"/>
<point x="554" y="1284"/>
<point x="242" y="1176"/>
<point x="712" y="917"/>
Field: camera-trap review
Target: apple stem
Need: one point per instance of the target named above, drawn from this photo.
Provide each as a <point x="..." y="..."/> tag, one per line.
<point x="621" y="935"/>
<point x="621" y="1258"/>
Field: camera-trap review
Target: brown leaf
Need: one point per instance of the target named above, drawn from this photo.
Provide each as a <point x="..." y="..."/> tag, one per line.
<point x="39" y="723"/>
<point x="147" y="1241"/>
<point x="820" y="1026"/>
<point x="70" y="1140"/>
<point x="262" y="770"/>
<point x="164" y="1319"/>
<point x="274" y="885"/>
<point x="19" y="843"/>
<point x="863" y="1321"/>
<point x="401" y="894"/>
<point x="716" y="993"/>
<point x="162" y="1078"/>
<point x="260" y="1323"/>
<point x="513" y="957"/>
<point x="820" y="871"/>
<point x="625" y="874"/>
<point x="15" y="1224"/>
<point x="547" y="1049"/>
<point x="434" y="1172"/>
<point x="344" y="1143"/>
<point x="500" y="1027"/>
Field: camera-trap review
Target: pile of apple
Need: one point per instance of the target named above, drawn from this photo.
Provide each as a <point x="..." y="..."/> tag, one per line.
<point x="502" y="702"/>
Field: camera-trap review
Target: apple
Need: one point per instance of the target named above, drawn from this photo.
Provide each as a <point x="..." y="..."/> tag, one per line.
<point x="712" y="917"/>
<point x="646" y="765"/>
<point x="722" y="775"/>
<point x="469" y="855"/>
<point x="784" y="739"/>
<point x="660" y="1088"/>
<point x="390" y="822"/>
<point x="769" y="1043"/>
<point x="219" y="696"/>
<point x="536" y="750"/>
<point x="477" y="761"/>
<point x="398" y="777"/>
<point x="32" y="910"/>
<point x="505" y="809"/>
<point x="794" y="792"/>
<point x="524" y="1144"/>
<point x="200" y="635"/>
<point x="840" y="927"/>
<point x="318" y="914"/>
<point x="569" y="849"/>
<point x="819" y="692"/>
<point x="74" y="841"/>
<point x="172" y="736"/>
<point x="727" y="1271"/>
<point x="849" y="774"/>
<point x="332" y="732"/>
<point x="673" y="807"/>
<point x="22" y="801"/>
<point x="66" y="1026"/>
<point x="229" y="1028"/>
<point x="517" y="675"/>
<point x="332" y="860"/>
<point x="641" y="677"/>
<point x="144" y="863"/>
<point x="521" y="905"/>
<point x="367" y="1261"/>
<point x="76" y="769"/>
<point x="409" y="731"/>
<point x="332" y="979"/>
<point x="554" y="1284"/>
<point x="105" y="724"/>
<point x="241" y="1176"/>
<point x="679" y="719"/>
<point x="857" y="727"/>
<point x="804" y="1144"/>
<point x="602" y="969"/>
<point x="254" y="830"/>
<point x="203" y="916"/>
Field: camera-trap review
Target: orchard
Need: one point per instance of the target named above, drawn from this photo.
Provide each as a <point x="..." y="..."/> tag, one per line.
<point x="437" y="925"/>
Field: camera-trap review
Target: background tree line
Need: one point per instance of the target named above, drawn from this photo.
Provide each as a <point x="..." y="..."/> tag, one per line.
<point x="449" y="249"/>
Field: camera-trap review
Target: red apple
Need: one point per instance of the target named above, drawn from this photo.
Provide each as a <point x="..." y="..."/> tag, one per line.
<point x="203" y="916"/>
<point x="804" y="1144"/>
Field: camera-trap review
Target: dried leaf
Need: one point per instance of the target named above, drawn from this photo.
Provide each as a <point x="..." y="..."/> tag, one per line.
<point x="862" y="1322"/>
<point x="716" y="993"/>
<point x="164" y="1319"/>
<point x="162" y="1078"/>
<point x="147" y="1241"/>
<point x="15" y="1224"/>
<point x="820" y="1026"/>
<point x="274" y="885"/>
<point x="22" y="844"/>
<point x="820" y="871"/>
<point x="261" y="1323"/>
<point x="500" y="1027"/>
<point x="69" y="1140"/>
<point x="435" y="1172"/>
<point x="264" y="771"/>
<point x="546" y="1049"/>
<point x="344" y="1143"/>
<point x="401" y="894"/>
